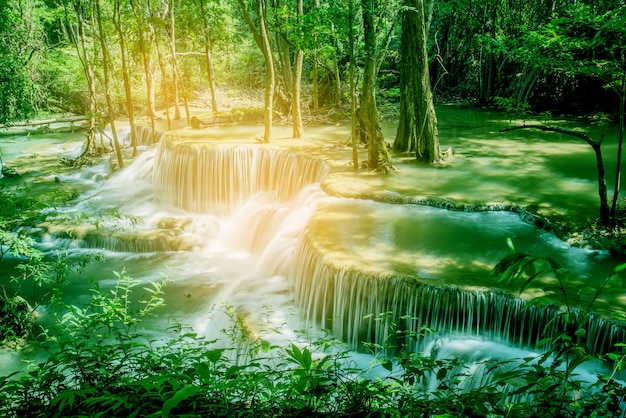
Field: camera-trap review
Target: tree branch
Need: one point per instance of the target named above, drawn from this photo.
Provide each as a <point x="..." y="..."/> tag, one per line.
<point x="584" y="137"/>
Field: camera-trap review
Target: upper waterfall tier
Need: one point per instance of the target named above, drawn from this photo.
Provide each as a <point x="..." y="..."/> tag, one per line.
<point x="206" y="177"/>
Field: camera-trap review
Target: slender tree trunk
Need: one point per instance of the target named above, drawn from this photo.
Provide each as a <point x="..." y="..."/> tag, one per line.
<point x="336" y="91"/>
<point x="296" y="108"/>
<point x="208" y="45"/>
<point x="147" y="68"/>
<point x="283" y="53"/>
<point x="87" y="64"/>
<point x="270" y="76"/>
<point x="126" y="76"/>
<point x="161" y="60"/>
<point x="261" y="37"/>
<point x="618" y="169"/>
<point x="417" y="128"/>
<point x="316" y="103"/>
<point x="605" y="213"/>
<point x="353" y="116"/>
<point x="107" y="87"/>
<point x="175" y="72"/>
<point x="378" y="155"/>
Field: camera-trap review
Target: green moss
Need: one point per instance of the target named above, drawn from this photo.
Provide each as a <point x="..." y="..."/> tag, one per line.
<point x="16" y="320"/>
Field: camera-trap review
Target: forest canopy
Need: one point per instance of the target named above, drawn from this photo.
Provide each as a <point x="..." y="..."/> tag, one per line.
<point x="169" y="51"/>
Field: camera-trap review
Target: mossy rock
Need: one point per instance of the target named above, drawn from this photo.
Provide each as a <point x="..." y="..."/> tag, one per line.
<point x="17" y="321"/>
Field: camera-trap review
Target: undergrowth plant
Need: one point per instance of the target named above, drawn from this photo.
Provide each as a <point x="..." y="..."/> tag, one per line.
<point x="555" y="380"/>
<point x="105" y="362"/>
<point x="35" y="276"/>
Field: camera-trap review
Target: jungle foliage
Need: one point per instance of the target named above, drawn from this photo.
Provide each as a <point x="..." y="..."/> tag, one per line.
<point x="565" y="57"/>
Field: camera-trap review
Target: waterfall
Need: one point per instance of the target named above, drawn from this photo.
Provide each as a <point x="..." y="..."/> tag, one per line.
<point x="217" y="198"/>
<point x="210" y="178"/>
<point x="143" y="134"/>
<point x="372" y="306"/>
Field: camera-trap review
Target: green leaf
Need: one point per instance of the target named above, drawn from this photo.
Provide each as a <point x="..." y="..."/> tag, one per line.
<point x="185" y="393"/>
<point x="586" y="291"/>
<point x="214" y="355"/>
<point x="387" y="364"/>
<point x="619" y="268"/>
<point x="509" y="243"/>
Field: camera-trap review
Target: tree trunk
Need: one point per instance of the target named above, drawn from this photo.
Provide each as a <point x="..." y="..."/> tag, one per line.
<point x="605" y="213"/>
<point x="296" y="108"/>
<point x="417" y="128"/>
<point x="211" y="77"/>
<point x="378" y="155"/>
<point x="161" y="60"/>
<point x="336" y="89"/>
<point x="126" y="76"/>
<point x="353" y="116"/>
<point x="107" y="87"/>
<point x="314" y="75"/>
<point x="87" y="64"/>
<point x="175" y="72"/>
<point x="261" y="37"/>
<point x="208" y="45"/>
<point x="618" y="170"/>
<point x="147" y="68"/>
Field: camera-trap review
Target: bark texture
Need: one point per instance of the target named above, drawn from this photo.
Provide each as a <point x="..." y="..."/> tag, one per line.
<point x="417" y="128"/>
<point x="378" y="155"/>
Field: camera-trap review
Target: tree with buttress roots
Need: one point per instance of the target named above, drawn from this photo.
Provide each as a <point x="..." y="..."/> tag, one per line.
<point x="417" y="128"/>
<point x="378" y="155"/>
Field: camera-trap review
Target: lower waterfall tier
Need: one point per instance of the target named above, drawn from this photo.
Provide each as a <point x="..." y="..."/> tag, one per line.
<point x="370" y="272"/>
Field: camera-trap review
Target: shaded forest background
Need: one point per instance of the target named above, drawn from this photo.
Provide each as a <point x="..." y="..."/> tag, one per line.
<point x="168" y="52"/>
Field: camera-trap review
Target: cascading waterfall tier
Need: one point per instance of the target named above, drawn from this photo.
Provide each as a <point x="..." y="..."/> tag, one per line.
<point x="374" y="306"/>
<point x="367" y="270"/>
<point x="143" y="134"/>
<point x="357" y="304"/>
<point x="213" y="178"/>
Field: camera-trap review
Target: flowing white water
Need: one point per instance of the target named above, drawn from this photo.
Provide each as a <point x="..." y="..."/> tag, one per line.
<point x="227" y="224"/>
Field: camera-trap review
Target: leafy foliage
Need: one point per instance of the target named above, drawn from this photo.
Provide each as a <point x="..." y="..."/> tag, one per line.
<point x="103" y="362"/>
<point x="35" y="273"/>
<point x="554" y="380"/>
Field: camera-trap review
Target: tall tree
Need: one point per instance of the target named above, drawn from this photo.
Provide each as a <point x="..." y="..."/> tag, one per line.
<point x="207" y="31"/>
<point x="155" y="22"/>
<point x="175" y="72"/>
<point x="117" y="21"/>
<point x="585" y="42"/>
<point x="378" y="155"/>
<point x="107" y="82"/>
<point x="21" y="43"/>
<point x="417" y="128"/>
<point x="261" y="37"/>
<point x="354" y="132"/>
<point x="296" y="106"/>
<point x="86" y="55"/>
<point x="143" y="44"/>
